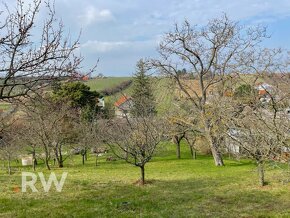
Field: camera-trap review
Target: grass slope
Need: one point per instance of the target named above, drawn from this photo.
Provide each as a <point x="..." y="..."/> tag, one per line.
<point x="4" y="106"/>
<point x="108" y="82"/>
<point x="178" y="188"/>
<point x="164" y="93"/>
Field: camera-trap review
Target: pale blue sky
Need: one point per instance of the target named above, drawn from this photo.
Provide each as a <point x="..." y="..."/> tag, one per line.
<point x="119" y="32"/>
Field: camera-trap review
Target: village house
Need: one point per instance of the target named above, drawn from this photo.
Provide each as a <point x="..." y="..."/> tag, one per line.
<point x="123" y="106"/>
<point x="101" y="102"/>
<point x="263" y="88"/>
<point x="263" y="91"/>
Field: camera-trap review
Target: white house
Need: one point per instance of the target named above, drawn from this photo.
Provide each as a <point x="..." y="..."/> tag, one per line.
<point x="101" y="102"/>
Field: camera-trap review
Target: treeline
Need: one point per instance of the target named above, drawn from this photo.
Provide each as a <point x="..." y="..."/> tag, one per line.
<point x="118" y="88"/>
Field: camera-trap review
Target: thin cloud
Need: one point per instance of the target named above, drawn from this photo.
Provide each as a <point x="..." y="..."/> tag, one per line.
<point x="118" y="46"/>
<point x="126" y="30"/>
<point x="93" y="15"/>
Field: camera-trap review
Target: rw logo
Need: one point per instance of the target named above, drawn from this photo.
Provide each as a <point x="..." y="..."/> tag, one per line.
<point x="45" y="184"/>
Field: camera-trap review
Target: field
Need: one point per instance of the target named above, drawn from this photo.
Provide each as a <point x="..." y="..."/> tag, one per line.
<point x="176" y="188"/>
<point x="4" y="106"/>
<point x="103" y="83"/>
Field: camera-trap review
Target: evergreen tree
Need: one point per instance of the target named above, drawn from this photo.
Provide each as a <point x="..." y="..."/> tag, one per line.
<point x="143" y="98"/>
<point x="78" y="95"/>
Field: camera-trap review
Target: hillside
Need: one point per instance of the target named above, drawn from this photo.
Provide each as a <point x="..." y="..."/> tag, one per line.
<point x="161" y="87"/>
<point x="4" y="106"/>
<point x="99" y="84"/>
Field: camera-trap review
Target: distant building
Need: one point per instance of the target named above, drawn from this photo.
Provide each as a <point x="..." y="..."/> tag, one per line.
<point x="27" y="161"/>
<point x="81" y="77"/>
<point x="264" y="88"/>
<point x="123" y="106"/>
<point x="101" y="102"/>
<point x="85" y="78"/>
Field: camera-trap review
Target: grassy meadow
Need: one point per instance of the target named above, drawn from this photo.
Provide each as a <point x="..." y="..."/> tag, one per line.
<point x="4" y="106"/>
<point x="176" y="188"/>
<point x="99" y="84"/>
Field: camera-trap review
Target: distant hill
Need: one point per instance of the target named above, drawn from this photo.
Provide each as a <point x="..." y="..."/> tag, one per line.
<point x="99" y="84"/>
<point x="163" y="91"/>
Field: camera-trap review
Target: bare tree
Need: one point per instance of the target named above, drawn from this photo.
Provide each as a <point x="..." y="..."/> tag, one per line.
<point x="134" y="139"/>
<point x="260" y="137"/>
<point x="86" y="137"/>
<point x="182" y="124"/>
<point x="29" y="62"/>
<point x="177" y="138"/>
<point x="255" y="122"/>
<point x="191" y="137"/>
<point x="51" y="126"/>
<point x="28" y="137"/>
<point x="9" y="146"/>
<point x="208" y="54"/>
<point x="177" y="132"/>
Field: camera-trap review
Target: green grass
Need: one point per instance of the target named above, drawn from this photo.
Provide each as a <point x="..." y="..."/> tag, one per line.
<point x="4" y="106"/>
<point x="100" y="84"/>
<point x="164" y="94"/>
<point x="177" y="188"/>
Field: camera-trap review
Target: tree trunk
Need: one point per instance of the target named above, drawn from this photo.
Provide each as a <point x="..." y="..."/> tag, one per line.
<point x="194" y="155"/>
<point x="47" y="157"/>
<point x="58" y="156"/>
<point x="177" y="141"/>
<point x="191" y="144"/>
<point x="47" y="163"/>
<point x="96" y="159"/>
<point x="34" y="160"/>
<point x="60" y="164"/>
<point x="261" y="173"/>
<point x="142" y="180"/>
<point x="218" y="160"/>
<point x="217" y="156"/>
<point x="34" y="164"/>
<point x="9" y="166"/>
<point x="192" y="152"/>
<point x="178" y="150"/>
<point x="83" y="158"/>
<point x="60" y="161"/>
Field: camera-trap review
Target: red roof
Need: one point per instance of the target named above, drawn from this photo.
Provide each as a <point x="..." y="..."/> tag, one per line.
<point x="122" y="100"/>
<point x="85" y="78"/>
<point x="262" y="92"/>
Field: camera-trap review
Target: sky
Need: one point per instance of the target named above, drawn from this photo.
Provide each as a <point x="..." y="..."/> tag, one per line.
<point x="120" y="32"/>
